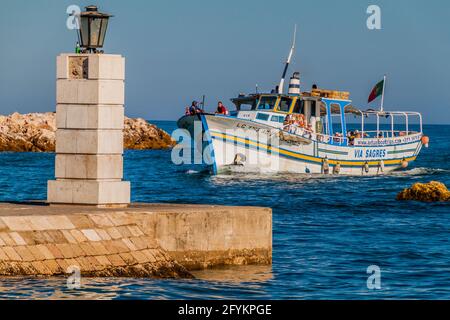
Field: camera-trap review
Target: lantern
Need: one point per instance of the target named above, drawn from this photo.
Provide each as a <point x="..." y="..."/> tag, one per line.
<point x="92" y="31"/>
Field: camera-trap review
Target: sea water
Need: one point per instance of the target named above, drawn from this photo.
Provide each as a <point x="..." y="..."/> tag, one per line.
<point x="327" y="231"/>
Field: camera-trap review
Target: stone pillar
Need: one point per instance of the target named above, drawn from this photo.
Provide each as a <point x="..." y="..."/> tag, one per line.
<point x="89" y="136"/>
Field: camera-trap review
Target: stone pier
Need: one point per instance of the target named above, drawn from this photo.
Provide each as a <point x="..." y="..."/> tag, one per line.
<point x="88" y="223"/>
<point x="143" y="240"/>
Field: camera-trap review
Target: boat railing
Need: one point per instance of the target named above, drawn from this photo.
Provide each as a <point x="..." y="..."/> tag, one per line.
<point x="380" y="136"/>
<point x="384" y="137"/>
<point x="331" y="139"/>
<point x="392" y="115"/>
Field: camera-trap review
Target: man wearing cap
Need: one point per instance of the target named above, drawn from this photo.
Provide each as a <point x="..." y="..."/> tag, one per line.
<point x="194" y="109"/>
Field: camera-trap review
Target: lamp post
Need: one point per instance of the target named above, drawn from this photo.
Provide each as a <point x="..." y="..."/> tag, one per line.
<point x="90" y="94"/>
<point x="93" y="25"/>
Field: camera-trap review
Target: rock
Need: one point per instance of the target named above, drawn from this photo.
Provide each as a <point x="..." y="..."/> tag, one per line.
<point x="35" y="132"/>
<point x="433" y="191"/>
<point x="140" y="135"/>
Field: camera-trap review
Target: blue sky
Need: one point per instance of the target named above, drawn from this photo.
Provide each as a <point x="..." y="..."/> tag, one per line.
<point x="178" y="50"/>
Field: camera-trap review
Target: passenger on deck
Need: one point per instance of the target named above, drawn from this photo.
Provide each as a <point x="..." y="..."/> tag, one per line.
<point x="351" y="138"/>
<point x="288" y="121"/>
<point x="337" y="137"/>
<point x="221" y="109"/>
<point x="309" y="131"/>
<point x="194" y="108"/>
<point x="301" y="121"/>
<point x="359" y="135"/>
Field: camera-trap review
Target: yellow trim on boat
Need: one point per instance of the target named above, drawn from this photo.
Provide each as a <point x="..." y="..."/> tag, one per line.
<point x="306" y="157"/>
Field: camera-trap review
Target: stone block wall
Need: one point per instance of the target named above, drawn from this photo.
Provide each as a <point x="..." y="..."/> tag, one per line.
<point x="89" y="138"/>
<point x="143" y="240"/>
<point x="99" y="244"/>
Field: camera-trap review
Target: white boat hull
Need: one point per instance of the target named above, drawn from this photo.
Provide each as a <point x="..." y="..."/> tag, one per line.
<point x="229" y="137"/>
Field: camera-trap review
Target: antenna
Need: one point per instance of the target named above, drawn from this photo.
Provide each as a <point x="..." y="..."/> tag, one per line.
<point x="203" y="102"/>
<point x="382" y="96"/>
<point x="288" y="61"/>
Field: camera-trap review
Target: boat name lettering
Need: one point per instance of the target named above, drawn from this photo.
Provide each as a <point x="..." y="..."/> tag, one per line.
<point x="249" y="127"/>
<point x="370" y="153"/>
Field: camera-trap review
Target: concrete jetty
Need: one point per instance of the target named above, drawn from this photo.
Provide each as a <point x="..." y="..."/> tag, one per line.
<point x="143" y="240"/>
<point x="90" y="225"/>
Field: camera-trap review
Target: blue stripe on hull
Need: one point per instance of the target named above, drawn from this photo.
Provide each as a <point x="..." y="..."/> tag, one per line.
<point x="208" y="137"/>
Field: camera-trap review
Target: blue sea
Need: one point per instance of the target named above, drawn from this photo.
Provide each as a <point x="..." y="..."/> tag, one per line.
<point x="326" y="231"/>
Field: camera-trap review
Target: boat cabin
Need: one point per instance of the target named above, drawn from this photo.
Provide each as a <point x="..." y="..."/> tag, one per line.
<point x="275" y="107"/>
<point x="326" y="113"/>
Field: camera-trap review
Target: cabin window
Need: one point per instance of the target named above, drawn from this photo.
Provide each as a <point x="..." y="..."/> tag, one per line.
<point x="279" y="119"/>
<point x="246" y="106"/>
<point x="285" y="104"/>
<point x="262" y="116"/>
<point x="299" y="106"/>
<point x="267" y="103"/>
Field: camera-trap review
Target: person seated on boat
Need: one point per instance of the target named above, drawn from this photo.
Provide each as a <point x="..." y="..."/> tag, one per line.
<point x="194" y="108"/>
<point x="287" y="122"/>
<point x="297" y="124"/>
<point x="357" y="134"/>
<point x="319" y="137"/>
<point x="351" y="135"/>
<point x="293" y="124"/>
<point x="337" y="137"/>
<point x="187" y="112"/>
<point x="309" y="131"/>
<point x="301" y="121"/>
<point x="221" y="109"/>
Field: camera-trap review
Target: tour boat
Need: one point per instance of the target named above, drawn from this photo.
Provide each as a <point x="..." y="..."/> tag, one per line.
<point x="307" y="132"/>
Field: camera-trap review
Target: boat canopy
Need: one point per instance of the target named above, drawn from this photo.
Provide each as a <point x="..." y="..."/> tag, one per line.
<point x="335" y="109"/>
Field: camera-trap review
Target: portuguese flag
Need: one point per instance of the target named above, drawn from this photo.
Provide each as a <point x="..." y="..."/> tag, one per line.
<point x="376" y="91"/>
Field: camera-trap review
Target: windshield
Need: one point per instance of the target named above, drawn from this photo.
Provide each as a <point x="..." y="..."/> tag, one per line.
<point x="245" y="104"/>
<point x="267" y="103"/>
<point x="285" y="104"/>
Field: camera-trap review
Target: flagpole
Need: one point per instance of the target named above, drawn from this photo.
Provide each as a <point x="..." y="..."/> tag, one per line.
<point x="382" y="95"/>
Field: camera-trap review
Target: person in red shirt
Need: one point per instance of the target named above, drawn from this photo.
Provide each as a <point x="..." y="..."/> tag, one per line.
<point x="221" y="109"/>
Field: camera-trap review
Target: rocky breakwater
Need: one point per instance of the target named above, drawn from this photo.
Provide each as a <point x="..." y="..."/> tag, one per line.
<point x="35" y="132"/>
<point x="433" y="191"/>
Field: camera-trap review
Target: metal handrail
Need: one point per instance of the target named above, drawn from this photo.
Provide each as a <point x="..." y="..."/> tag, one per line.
<point x="406" y="114"/>
<point x="326" y="138"/>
